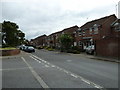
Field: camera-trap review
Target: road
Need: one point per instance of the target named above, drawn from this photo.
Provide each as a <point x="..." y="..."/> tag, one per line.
<point x="50" y="69"/>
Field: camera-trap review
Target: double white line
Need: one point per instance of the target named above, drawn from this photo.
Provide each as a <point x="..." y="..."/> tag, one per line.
<point x="68" y="72"/>
<point x="44" y="85"/>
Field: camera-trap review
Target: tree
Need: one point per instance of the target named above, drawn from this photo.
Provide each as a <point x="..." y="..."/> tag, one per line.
<point x="65" y="41"/>
<point x="11" y="36"/>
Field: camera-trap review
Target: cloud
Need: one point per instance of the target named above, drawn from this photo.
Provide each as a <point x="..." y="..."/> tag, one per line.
<point x="37" y="17"/>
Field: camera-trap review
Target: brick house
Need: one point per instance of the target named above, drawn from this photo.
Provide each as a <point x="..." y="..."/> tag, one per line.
<point x="53" y="38"/>
<point x="39" y="41"/>
<point x="72" y="32"/>
<point x="110" y="44"/>
<point x="94" y="30"/>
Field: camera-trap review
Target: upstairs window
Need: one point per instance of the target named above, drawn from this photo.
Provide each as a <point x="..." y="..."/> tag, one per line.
<point x="63" y="33"/>
<point x="117" y="26"/>
<point x="95" y="29"/>
<point x="83" y="32"/>
<point x="90" y="30"/>
<point x="80" y="32"/>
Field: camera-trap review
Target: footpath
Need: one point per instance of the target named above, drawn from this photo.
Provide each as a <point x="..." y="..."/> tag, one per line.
<point x="116" y="60"/>
<point x="99" y="57"/>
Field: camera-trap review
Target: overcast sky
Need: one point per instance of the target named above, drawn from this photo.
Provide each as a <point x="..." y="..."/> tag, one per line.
<point x="38" y="17"/>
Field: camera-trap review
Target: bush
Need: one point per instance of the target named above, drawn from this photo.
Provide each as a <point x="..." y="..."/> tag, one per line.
<point x="73" y="51"/>
<point x="76" y="52"/>
<point x="46" y="47"/>
<point x="40" y="47"/>
<point x="49" y="48"/>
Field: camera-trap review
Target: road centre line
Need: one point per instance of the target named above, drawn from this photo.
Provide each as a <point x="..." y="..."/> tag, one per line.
<point x="35" y="59"/>
<point x="75" y="75"/>
<point x="39" y="79"/>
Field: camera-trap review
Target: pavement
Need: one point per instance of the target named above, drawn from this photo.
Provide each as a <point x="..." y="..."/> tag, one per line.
<point x="83" y="54"/>
<point x="99" y="58"/>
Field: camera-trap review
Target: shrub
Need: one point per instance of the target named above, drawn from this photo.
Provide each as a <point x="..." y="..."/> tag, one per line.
<point x="40" y="47"/>
<point x="50" y="49"/>
<point x="73" y="51"/>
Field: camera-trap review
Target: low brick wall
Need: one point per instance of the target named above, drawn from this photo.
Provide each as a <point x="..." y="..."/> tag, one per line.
<point x="10" y="52"/>
<point x="108" y="47"/>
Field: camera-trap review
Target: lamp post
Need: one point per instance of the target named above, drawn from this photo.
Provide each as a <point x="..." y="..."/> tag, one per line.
<point x="119" y="10"/>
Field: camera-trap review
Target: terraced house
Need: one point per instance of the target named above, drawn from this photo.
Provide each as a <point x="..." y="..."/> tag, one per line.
<point x="96" y="32"/>
<point x="39" y="41"/>
<point x="52" y="39"/>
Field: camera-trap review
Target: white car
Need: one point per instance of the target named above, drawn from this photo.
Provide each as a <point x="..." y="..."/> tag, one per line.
<point x="90" y="49"/>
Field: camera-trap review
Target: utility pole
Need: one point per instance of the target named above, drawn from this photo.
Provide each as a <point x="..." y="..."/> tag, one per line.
<point x="119" y="10"/>
<point x="116" y="9"/>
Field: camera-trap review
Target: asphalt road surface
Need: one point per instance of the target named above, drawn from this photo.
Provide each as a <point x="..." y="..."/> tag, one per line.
<point x="49" y="69"/>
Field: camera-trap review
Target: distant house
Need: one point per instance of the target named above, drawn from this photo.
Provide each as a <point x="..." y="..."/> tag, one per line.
<point x="72" y="32"/>
<point x="52" y="39"/>
<point x="39" y="41"/>
<point x="94" y="30"/>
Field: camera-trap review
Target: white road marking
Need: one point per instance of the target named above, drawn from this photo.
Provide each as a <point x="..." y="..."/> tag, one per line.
<point x="46" y="66"/>
<point x="39" y="79"/>
<point x="69" y="60"/>
<point x="34" y="59"/>
<point x="66" y="71"/>
<point x="74" y="75"/>
<point x="52" y="65"/>
<point x="85" y="81"/>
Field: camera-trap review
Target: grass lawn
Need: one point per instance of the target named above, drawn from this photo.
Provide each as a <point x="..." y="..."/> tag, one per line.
<point x="8" y="48"/>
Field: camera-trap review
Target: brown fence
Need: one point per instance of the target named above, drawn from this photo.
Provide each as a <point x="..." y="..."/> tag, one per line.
<point x="108" y="47"/>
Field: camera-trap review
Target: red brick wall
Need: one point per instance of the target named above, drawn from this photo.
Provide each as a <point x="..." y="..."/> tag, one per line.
<point x="10" y="52"/>
<point x="108" y="47"/>
<point x="106" y="27"/>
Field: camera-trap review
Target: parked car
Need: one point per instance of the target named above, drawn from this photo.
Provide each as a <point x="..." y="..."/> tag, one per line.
<point x="29" y="49"/>
<point x="90" y="49"/>
<point x="21" y="47"/>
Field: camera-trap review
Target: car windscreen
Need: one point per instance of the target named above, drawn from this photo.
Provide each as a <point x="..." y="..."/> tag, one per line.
<point x="30" y="47"/>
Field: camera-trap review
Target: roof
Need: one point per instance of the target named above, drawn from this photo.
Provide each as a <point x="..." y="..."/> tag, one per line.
<point x="70" y="28"/>
<point x="116" y="21"/>
<point x="97" y="21"/>
<point x="66" y="29"/>
<point x="40" y="36"/>
<point x="55" y="33"/>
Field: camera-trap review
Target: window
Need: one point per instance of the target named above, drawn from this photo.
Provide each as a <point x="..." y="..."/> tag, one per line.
<point x="117" y="26"/>
<point x="62" y="32"/>
<point x="80" y="43"/>
<point x="83" y="32"/>
<point x="90" y="30"/>
<point x="80" y="33"/>
<point x="95" y="29"/>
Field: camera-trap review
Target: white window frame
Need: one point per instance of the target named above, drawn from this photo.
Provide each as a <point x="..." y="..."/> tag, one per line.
<point x="95" y="29"/>
<point x="90" y="30"/>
